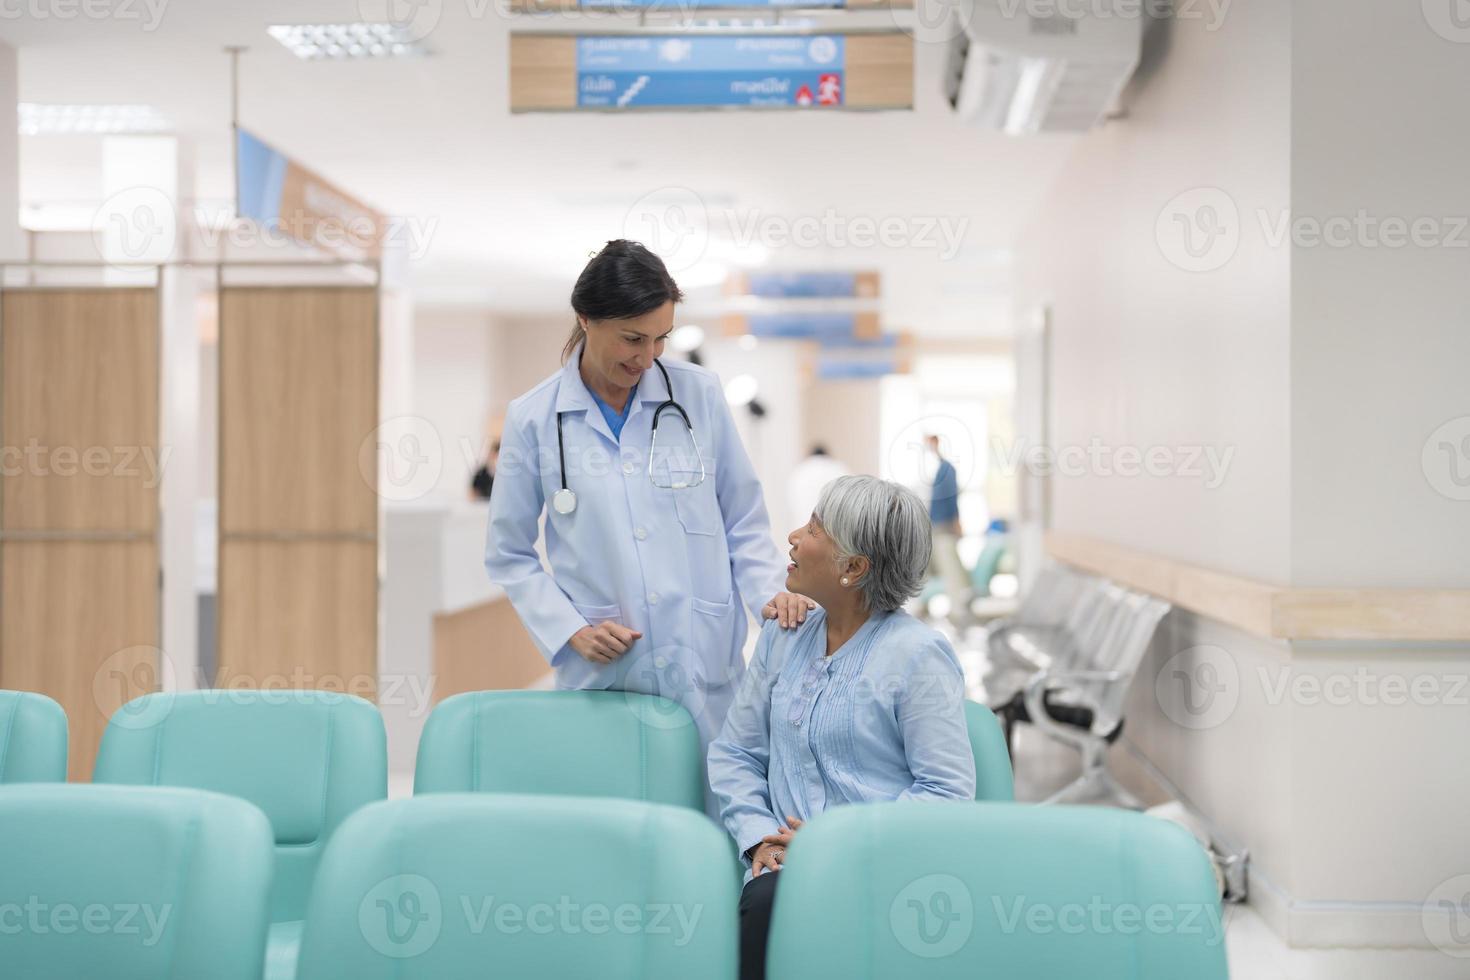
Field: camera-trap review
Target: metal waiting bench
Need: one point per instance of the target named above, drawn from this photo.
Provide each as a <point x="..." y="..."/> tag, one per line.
<point x="1064" y="663"/>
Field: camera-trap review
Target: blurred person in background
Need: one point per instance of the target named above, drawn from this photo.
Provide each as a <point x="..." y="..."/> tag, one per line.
<point x="944" y="517"/>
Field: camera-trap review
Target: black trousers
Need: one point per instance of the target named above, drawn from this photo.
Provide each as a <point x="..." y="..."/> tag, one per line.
<point x="756" y="900"/>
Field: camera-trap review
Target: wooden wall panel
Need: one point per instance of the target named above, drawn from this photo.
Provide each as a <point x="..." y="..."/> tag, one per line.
<point x="298" y="379"/>
<point x="298" y="597"/>
<point x="484" y="647"/>
<point x="79" y="573"/>
<point x="299" y="614"/>
<point x="79" y="623"/>
<point x="80" y="375"/>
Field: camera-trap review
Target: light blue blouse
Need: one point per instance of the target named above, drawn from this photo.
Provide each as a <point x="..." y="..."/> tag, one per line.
<point x="883" y="718"/>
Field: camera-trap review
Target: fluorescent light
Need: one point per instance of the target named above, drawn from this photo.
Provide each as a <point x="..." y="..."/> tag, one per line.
<point x="686" y="338"/>
<point x="342" y="41"/>
<point x="37" y="119"/>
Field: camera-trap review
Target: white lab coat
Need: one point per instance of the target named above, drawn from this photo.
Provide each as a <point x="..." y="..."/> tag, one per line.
<point x="676" y="565"/>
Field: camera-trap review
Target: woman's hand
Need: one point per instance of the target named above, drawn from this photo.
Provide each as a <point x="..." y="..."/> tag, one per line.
<point x="770" y="853"/>
<point x="789" y="608"/>
<point x="603" y="643"/>
<point x="766" y="857"/>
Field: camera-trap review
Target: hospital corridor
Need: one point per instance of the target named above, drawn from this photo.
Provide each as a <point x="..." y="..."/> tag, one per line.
<point x="735" y="489"/>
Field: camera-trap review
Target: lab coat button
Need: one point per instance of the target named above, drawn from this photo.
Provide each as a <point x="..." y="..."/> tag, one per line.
<point x="652" y="598"/>
<point x="629" y="469"/>
<point x="660" y="662"/>
<point x="641" y="534"/>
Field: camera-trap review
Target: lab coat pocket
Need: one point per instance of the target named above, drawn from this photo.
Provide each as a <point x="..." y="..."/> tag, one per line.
<point x="599" y="614"/>
<point x="713" y="639"/>
<point x="698" y="510"/>
<point x="708" y="608"/>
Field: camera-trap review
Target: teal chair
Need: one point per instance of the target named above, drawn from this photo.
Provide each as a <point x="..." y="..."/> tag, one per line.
<point x="938" y="890"/>
<point x="462" y="886"/>
<point x="986" y="565"/>
<point x="130" y="884"/>
<point x="307" y="758"/>
<point x="562" y="743"/>
<point x="994" y="780"/>
<point x="32" y="739"/>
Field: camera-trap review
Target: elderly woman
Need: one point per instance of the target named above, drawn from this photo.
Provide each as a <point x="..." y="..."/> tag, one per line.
<point x="860" y="703"/>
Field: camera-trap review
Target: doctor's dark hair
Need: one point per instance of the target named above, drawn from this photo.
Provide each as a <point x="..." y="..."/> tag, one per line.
<point x="622" y="281"/>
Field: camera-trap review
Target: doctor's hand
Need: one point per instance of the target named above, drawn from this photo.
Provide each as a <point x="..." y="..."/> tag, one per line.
<point x="603" y="643"/>
<point x="789" y="608"/>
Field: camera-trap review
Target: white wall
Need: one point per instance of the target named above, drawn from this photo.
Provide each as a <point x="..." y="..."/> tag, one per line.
<point x="454" y="388"/>
<point x="1323" y="371"/>
<point x="1380" y="334"/>
<point x="12" y="242"/>
<point x="1146" y="353"/>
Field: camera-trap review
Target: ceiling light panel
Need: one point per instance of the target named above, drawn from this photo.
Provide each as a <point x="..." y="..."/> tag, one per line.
<point x="37" y="119"/>
<point x="338" y="42"/>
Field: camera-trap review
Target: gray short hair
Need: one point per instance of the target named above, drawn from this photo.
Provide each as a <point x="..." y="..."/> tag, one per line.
<point x="887" y="524"/>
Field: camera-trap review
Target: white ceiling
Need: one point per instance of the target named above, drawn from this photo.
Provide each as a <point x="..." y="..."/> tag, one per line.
<point x="506" y="208"/>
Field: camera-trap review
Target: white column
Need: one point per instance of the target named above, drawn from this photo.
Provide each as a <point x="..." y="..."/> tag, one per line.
<point x="12" y="242"/>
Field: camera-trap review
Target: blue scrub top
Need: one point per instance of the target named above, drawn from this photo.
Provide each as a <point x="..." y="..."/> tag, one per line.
<point x="612" y="416"/>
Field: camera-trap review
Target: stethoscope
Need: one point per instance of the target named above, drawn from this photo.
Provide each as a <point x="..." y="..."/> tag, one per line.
<point x="564" y="501"/>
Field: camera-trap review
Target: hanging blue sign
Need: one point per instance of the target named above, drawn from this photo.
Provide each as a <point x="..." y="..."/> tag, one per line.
<point x="801" y="285"/>
<point x="682" y="5"/>
<point x="884" y="341"/>
<point x="260" y="172"/>
<point x="616" y="71"/>
<point x="835" y="369"/>
<point x="826" y="327"/>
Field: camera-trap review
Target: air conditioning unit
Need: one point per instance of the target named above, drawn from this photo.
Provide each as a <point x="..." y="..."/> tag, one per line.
<point x="1042" y="66"/>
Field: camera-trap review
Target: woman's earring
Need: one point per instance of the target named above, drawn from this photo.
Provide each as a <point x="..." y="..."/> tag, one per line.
<point x="844" y="581"/>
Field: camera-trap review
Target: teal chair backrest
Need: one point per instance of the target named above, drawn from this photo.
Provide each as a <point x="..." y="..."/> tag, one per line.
<point x="921" y="890"/>
<point x="994" y="779"/>
<point x="985" y="565"/>
<point x="130" y="884"/>
<point x="32" y="739"/>
<point x="562" y="743"/>
<point x="307" y="758"/>
<point x="463" y="886"/>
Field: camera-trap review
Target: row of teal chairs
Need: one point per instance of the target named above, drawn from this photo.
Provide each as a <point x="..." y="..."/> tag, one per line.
<point x="310" y="760"/>
<point x="128" y="882"/>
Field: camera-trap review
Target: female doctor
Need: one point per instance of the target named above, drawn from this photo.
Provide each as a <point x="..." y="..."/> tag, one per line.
<point x="656" y="531"/>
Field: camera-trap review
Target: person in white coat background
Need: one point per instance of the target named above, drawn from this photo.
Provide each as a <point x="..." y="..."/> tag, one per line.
<point x="656" y="531"/>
